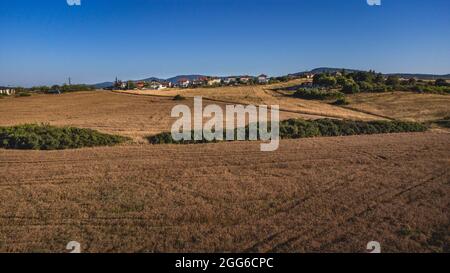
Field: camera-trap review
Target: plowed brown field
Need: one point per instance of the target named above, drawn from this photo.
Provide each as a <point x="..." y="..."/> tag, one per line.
<point x="324" y="194"/>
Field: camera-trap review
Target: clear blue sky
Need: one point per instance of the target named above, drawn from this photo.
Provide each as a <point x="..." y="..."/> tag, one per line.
<point x="46" y="41"/>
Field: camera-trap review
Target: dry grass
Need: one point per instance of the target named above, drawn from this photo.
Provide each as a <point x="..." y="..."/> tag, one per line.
<point x="264" y="95"/>
<point x="127" y="115"/>
<point x="403" y="105"/>
<point x="364" y="106"/>
<point x="330" y="194"/>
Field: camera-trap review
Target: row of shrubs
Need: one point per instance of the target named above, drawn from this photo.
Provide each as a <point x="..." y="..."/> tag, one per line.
<point x="20" y="94"/>
<point x="318" y="94"/>
<point x="298" y="128"/>
<point x="445" y="122"/>
<point x="46" y="137"/>
<point x="370" y="81"/>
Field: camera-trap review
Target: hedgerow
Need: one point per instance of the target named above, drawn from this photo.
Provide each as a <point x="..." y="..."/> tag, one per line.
<point x="298" y="128"/>
<point x="46" y="137"/>
<point x="318" y="94"/>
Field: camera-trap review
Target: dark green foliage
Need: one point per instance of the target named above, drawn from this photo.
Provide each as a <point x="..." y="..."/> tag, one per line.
<point x="298" y="128"/>
<point x="179" y="97"/>
<point x="46" y="137"/>
<point x="62" y="88"/>
<point x="23" y="94"/>
<point x="131" y="85"/>
<point x="318" y="94"/>
<point x="441" y="82"/>
<point x="351" y="88"/>
<point x="342" y="101"/>
<point x="445" y="122"/>
<point x="393" y="81"/>
<point x="430" y="89"/>
<point x="331" y="127"/>
<point x="324" y="80"/>
<point x="369" y="81"/>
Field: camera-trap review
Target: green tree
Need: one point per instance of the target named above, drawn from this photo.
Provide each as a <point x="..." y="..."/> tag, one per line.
<point x="393" y="81"/>
<point x="440" y="82"/>
<point x="131" y="85"/>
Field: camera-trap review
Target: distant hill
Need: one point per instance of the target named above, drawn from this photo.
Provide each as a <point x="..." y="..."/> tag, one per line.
<point x="421" y="76"/>
<point x="402" y="75"/>
<point x="314" y="71"/>
<point x="324" y="70"/>
<point x="190" y="77"/>
<point x="152" y="79"/>
<point x="172" y="80"/>
<point x="103" y="85"/>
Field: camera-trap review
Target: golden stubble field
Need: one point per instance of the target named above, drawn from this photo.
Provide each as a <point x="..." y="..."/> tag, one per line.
<point x="392" y="105"/>
<point x="311" y="195"/>
<point x="403" y="105"/>
<point x="116" y="113"/>
<point x="324" y="194"/>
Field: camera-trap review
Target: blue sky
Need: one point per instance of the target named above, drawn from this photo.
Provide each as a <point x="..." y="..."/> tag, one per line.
<point x="46" y="41"/>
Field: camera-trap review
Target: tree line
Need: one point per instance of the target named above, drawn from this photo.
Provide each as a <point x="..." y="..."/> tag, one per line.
<point x="370" y="81"/>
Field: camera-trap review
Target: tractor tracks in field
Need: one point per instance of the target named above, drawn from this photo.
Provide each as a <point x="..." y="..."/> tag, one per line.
<point x="277" y="243"/>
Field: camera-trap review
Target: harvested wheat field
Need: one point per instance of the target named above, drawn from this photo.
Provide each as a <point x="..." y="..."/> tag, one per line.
<point x="364" y="106"/>
<point x="115" y="113"/>
<point x="264" y="95"/>
<point x="322" y="194"/>
<point x="403" y="105"/>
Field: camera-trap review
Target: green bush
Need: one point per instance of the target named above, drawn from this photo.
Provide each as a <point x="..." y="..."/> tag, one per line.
<point x="179" y="97"/>
<point x="46" y="137"/>
<point x="23" y="94"/>
<point x="441" y="82"/>
<point x="298" y="128"/>
<point x="350" y="88"/>
<point x="342" y="101"/>
<point x="431" y="89"/>
<point x="318" y="94"/>
<point x="324" y="80"/>
<point x="445" y="122"/>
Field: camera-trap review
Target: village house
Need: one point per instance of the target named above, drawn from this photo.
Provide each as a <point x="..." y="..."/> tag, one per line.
<point x="263" y="79"/>
<point x="140" y="85"/>
<point x="155" y="85"/>
<point x="183" y="83"/>
<point x="214" y="81"/>
<point x="230" y="80"/>
<point x="164" y="85"/>
<point x="245" y="79"/>
<point x="7" y="91"/>
<point x="119" y="85"/>
<point x="201" y="81"/>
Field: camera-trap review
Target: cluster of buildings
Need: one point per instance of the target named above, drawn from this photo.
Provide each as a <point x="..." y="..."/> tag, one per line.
<point x="191" y="83"/>
<point x="7" y="91"/>
<point x="216" y="81"/>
